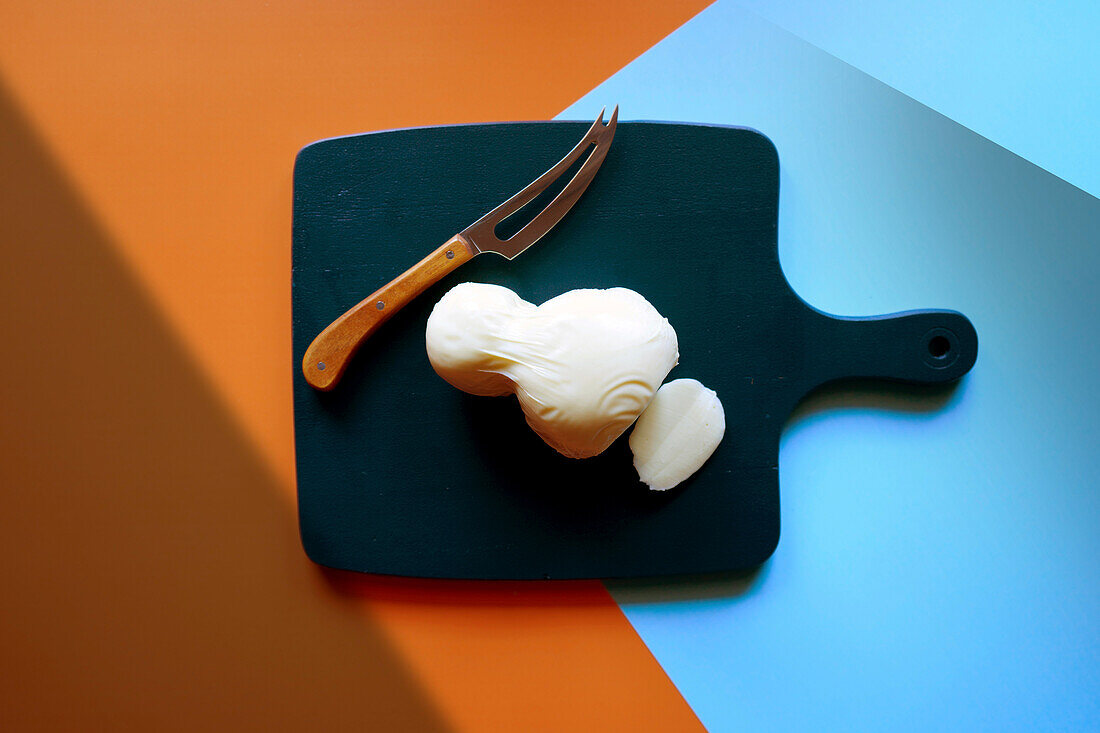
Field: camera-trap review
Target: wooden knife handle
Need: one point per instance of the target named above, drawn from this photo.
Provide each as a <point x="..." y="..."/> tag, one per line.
<point x="328" y="356"/>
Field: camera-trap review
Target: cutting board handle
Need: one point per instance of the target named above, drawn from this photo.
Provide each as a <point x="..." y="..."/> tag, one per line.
<point x="924" y="347"/>
<point x="327" y="357"/>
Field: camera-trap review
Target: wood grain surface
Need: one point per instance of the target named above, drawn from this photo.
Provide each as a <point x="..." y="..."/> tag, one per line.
<point x="684" y="214"/>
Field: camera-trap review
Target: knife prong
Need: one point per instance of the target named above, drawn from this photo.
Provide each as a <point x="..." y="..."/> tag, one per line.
<point x="482" y="233"/>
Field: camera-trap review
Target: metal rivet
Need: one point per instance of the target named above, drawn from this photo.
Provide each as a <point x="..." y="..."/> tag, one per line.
<point x="380" y="305"/>
<point x="450" y="254"/>
<point x="321" y="365"/>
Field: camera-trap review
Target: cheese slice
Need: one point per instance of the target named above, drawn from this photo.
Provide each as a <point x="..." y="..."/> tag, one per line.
<point x="677" y="433"/>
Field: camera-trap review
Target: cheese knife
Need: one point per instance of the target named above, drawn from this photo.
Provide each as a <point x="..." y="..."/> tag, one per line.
<point x="328" y="356"/>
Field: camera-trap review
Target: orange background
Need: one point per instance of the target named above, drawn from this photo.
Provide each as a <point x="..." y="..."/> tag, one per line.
<point x="152" y="575"/>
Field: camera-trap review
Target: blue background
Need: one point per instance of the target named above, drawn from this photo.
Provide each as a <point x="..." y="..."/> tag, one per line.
<point x="939" y="567"/>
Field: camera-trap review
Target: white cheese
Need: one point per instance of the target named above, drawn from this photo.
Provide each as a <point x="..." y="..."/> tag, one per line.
<point x="583" y="365"/>
<point x="677" y="433"/>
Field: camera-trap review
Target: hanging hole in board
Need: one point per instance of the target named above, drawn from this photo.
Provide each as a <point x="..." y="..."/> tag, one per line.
<point x="938" y="346"/>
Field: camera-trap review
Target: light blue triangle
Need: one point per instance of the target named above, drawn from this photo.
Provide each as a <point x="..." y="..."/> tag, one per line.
<point x="939" y="567"/>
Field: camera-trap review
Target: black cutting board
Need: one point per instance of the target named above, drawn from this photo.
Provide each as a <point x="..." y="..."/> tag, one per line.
<point x="399" y="473"/>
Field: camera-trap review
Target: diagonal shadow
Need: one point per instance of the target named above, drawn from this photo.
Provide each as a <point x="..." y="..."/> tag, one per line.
<point x="152" y="577"/>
